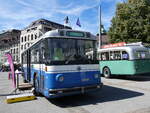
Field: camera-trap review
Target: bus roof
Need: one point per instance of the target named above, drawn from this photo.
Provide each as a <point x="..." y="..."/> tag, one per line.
<point x="127" y="48"/>
<point x="65" y="33"/>
<point x="69" y="33"/>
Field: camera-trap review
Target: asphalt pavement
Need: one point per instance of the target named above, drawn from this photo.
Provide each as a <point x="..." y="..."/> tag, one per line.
<point x="118" y="95"/>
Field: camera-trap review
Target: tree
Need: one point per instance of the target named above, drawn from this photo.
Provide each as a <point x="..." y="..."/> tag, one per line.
<point x="131" y="22"/>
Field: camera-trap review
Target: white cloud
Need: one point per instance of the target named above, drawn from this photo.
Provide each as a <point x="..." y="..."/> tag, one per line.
<point x="115" y="1"/>
<point x="73" y="11"/>
<point x="28" y="10"/>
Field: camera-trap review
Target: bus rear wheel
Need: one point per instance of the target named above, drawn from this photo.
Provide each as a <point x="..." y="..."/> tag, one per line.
<point x="106" y="72"/>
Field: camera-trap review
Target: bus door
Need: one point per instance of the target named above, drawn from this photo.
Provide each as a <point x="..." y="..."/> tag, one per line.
<point x="42" y="68"/>
<point x="28" y="66"/>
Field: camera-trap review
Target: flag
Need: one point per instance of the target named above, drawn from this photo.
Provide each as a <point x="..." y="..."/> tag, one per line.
<point x="78" y="22"/>
<point x="66" y="20"/>
<point x="10" y="60"/>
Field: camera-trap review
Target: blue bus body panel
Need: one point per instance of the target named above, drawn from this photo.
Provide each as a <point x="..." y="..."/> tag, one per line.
<point x="75" y="79"/>
<point x="71" y="80"/>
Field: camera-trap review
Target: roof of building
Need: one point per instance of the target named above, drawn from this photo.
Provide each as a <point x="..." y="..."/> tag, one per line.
<point x="7" y="32"/>
<point x="7" y="37"/>
<point x="46" y="22"/>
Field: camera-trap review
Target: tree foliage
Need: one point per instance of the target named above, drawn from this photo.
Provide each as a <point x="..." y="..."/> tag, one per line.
<point x="131" y="22"/>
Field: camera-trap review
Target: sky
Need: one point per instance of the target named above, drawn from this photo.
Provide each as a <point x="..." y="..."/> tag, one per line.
<point x="18" y="14"/>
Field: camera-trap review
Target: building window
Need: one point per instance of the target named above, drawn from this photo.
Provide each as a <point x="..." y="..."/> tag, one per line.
<point x="25" y="38"/>
<point x="22" y="39"/>
<point x="14" y="51"/>
<point x="11" y="51"/>
<point x="17" y="50"/>
<point x="14" y="58"/>
<point x="32" y="37"/>
<point x="35" y="36"/>
<point x="21" y="47"/>
<point x="25" y="46"/>
<point x="47" y="29"/>
<point x="28" y="37"/>
<point x="34" y="28"/>
<point x="28" y="30"/>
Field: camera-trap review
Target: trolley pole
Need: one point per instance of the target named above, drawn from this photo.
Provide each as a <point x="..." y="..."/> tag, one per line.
<point x="100" y="22"/>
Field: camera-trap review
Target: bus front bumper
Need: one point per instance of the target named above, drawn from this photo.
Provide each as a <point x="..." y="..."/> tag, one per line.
<point x="76" y="90"/>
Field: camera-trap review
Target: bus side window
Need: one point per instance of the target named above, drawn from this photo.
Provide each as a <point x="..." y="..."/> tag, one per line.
<point x="25" y="58"/>
<point x="117" y="55"/>
<point x="142" y="54"/>
<point x="32" y="56"/>
<point x="125" y="55"/>
<point x="35" y="54"/>
<point x="105" y="56"/>
<point x="111" y="55"/>
<point x="98" y="56"/>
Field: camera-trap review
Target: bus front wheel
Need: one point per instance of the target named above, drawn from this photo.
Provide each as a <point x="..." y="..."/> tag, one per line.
<point x="106" y="72"/>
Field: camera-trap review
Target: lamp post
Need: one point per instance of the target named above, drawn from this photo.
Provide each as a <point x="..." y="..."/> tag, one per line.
<point x="100" y="25"/>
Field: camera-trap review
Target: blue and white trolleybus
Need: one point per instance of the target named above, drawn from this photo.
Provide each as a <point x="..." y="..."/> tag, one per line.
<point x="57" y="64"/>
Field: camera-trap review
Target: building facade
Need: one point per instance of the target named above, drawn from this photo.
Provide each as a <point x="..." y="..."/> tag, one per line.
<point x="104" y="39"/>
<point x="36" y="29"/>
<point x="16" y="41"/>
<point x="9" y="42"/>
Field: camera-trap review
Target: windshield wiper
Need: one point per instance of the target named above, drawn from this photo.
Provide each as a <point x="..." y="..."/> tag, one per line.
<point x="69" y="58"/>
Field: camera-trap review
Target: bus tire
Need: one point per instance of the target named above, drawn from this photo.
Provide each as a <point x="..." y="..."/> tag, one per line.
<point x="36" y="87"/>
<point x="106" y="72"/>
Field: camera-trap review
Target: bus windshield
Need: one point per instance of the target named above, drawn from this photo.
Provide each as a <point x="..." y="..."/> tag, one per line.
<point x="68" y="51"/>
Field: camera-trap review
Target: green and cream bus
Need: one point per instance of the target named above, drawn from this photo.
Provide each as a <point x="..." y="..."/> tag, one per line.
<point x="124" y="60"/>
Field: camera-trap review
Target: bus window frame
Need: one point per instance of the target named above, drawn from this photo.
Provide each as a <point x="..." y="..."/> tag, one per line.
<point x="111" y="55"/>
<point x="126" y="54"/>
<point x="139" y="52"/>
<point x="104" y="57"/>
<point x="33" y="49"/>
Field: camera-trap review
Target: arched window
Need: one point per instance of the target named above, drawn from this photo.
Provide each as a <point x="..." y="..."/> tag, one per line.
<point x="35" y="36"/>
<point x="25" y="46"/>
<point x="32" y="37"/>
<point x="25" y="38"/>
<point x="28" y="37"/>
<point x="21" y="39"/>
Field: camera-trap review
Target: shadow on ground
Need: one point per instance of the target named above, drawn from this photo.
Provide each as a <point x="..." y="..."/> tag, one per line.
<point x="5" y="94"/>
<point x="132" y="77"/>
<point x="106" y="94"/>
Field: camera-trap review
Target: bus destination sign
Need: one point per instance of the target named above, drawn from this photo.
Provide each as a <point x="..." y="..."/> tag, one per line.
<point x="75" y="34"/>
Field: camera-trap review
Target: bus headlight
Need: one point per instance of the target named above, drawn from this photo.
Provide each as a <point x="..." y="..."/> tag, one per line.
<point x="96" y="76"/>
<point x="60" y="78"/>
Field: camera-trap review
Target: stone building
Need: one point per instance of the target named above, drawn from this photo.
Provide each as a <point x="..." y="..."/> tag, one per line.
<point x="104" y="39"/>
<point x="16" y="41"/>
<point x="9" y="42"/>
<point x="31" y="33"/>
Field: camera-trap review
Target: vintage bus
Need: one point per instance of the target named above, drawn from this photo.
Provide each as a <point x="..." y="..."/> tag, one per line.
<point x="57" y="64"/>
<point x="130" y="59"/>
